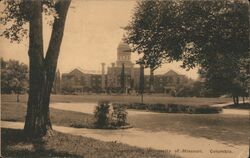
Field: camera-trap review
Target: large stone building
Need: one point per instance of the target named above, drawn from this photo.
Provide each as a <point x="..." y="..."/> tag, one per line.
<point x="132" y="73"/>
<point x="80" y="81"/>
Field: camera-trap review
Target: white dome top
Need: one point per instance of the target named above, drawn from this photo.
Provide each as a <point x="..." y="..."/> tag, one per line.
<point x="123" y="47"/>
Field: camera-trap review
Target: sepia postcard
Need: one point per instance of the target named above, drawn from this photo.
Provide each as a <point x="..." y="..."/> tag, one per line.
<point x="125" y="78"/>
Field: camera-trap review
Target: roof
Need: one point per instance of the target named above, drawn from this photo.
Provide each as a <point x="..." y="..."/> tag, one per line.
<point x="83" y="71"/>
<point x="75" y="71"/>
<point x="123" y="47"/>
<point x="171" y="73"/>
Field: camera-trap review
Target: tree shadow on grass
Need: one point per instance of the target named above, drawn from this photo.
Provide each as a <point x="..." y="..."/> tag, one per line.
<point x="14" y="144"/>
<point x="231" y="129"/>
<point x="243" y="106"/>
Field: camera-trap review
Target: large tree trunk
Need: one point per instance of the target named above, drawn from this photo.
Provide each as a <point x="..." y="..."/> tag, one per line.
<point x="236" y="100"/>
<point x="42" y="70"/>
<point x="151" y="80"/>
<point x="141" y="81"/>
<point x="36" y="123"/>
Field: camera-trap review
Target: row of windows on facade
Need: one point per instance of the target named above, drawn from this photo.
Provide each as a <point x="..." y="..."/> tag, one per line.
<point x="161" y="79"/>
<point x="147" y="83"/>
<point x="85" y="79"/>
<point x="124" y="57"/>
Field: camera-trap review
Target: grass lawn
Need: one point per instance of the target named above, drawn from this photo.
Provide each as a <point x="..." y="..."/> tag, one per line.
<point x="13" y="111"/>
<point x="239" y="106"/>
<point x="232" y="129"/>
<point x="127" y="98"/>
<point x="228" y="128"/>
<point x="66" y="145"/>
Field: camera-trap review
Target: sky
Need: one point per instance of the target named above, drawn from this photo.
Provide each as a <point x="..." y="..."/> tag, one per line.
<point x="92" y="33"/>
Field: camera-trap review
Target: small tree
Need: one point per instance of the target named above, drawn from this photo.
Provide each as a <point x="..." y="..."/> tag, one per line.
<point x="14" y="77"/>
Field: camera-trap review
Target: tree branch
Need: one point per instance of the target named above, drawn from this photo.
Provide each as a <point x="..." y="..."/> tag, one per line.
<point x="57" y="33"/>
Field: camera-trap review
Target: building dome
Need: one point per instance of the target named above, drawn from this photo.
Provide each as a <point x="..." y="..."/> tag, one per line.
<point x="123" y="47"/>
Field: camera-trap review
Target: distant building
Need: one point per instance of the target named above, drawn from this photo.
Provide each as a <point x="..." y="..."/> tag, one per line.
<point x="166" y="83"/>
<point x="57" y="83"/>
<point x="114" y="72"/>
<point x="80" y="81"/>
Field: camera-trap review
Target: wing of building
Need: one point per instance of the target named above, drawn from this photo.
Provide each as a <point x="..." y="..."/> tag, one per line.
<point x="109" y="79"/>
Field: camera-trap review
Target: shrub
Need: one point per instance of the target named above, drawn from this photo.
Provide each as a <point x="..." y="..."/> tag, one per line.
<point x="107" y="116"/>
<point x="173" y="108"/>
<point x="119" y="115"/>
<point x="101" y="114"/>
<point x="139" y="106"/>
<point x="207" y="110"/>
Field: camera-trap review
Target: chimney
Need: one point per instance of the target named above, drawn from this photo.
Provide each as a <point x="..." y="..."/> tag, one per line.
<point x="103" y="76"/>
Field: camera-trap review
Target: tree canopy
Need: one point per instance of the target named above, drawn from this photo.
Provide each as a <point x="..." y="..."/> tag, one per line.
<point x="16" y="15"/>
<point x="213" y="35"/>
<point x="14" y="77"/>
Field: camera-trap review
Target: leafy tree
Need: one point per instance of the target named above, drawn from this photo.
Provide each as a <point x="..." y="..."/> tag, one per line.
<point x="42" y="66"/>
<point x="3" y="63"/>
<point x="14" y="77"/>
<point x="194" y="88"/>
<point x="213" y="35"/>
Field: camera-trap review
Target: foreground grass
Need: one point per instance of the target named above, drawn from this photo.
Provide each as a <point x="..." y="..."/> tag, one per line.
<point x="125" y="98"/>
<point x="13" y="111"/>
<point x="66" y="145"/>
